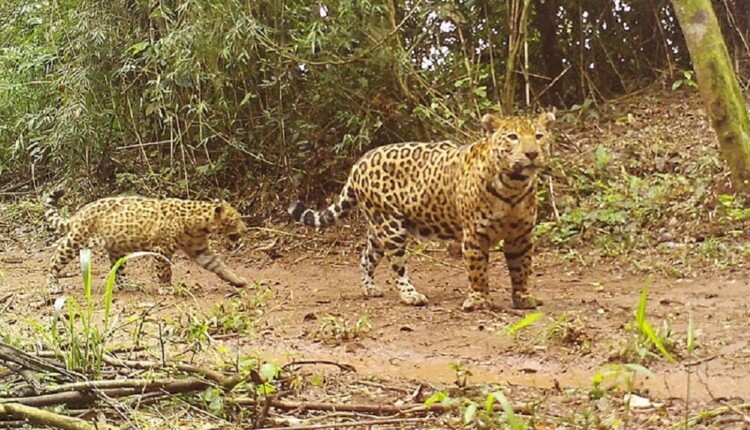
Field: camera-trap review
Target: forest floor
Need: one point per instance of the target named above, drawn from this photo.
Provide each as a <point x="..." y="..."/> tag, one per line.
<point x="307" y="305"/>
<point x="637" y="197"/>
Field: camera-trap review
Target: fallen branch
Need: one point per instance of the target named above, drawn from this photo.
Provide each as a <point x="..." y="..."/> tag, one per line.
<point x="703" y="416"/>
<point x="11" y="354"/>
<point x="414" y="408"/>
<point x="226" y="382"/>
<point x="367" y="423"/>
<point x="109" y="384"/>
<point x="79" y="398"/>
<point x="41" y="417"/>
<point x="701" y="361"/>
<point x="343" y="366"/>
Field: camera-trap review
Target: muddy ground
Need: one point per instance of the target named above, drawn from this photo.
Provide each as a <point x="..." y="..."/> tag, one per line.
<point x="310" y="290"/>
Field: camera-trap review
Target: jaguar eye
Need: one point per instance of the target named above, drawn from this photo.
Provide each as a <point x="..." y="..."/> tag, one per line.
<point x="539" y="136"/>
<point x="512" y="136"/>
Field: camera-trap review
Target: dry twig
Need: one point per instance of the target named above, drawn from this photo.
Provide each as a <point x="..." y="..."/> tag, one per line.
<point x="45" y="418"/>
<point x="356" y="424"/>
<point x="11" y="354"/>
<point x="343" y="366"/>
<point x="415" y="408"/>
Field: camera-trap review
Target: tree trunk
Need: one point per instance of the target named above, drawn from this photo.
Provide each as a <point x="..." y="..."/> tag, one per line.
<point x="718" y="86"/>
<point x="518" y="12"/>
<point x="545" y="20"/>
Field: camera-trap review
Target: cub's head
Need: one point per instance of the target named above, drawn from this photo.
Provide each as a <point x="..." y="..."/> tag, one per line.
<point x="519" y="144"/>
<point x="228" y="221"/>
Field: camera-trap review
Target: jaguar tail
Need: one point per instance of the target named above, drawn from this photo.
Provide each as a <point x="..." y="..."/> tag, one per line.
<point x="52" y="212"/>
<point x="327" y="217"/>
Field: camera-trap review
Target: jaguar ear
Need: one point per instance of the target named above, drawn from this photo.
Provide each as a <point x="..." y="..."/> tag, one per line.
<point x="219" y="208"/>
<point x="490" y="123"/>
<point x="546" y="118"/>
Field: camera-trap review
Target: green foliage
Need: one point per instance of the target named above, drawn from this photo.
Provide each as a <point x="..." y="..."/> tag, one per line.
<point x="565" y="330"/>
<point x="74" y="333"/>
<point x="732" y="208"/>
<point x="481" y="414"/>
<point x="645" y="341"/>
<point x="687" y="80"/>
<point x="212" y="93"/>
<point x="237" y="316"/>
<point x="644" y="326"/>
<point x="524" y="322"/>
<point x="339" y="329"/>
<point x="618" y="376"/>
<point x="224" y="94"/>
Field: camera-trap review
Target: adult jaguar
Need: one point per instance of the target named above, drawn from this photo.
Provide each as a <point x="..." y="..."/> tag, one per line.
<point x="478" y="193"/>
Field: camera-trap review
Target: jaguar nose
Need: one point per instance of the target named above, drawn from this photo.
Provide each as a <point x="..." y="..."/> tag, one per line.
<point x="234" y="237"/>
<point x="531" y="155"/>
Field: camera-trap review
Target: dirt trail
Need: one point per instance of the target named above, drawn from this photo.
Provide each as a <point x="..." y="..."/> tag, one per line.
<point x="423" y="343"/>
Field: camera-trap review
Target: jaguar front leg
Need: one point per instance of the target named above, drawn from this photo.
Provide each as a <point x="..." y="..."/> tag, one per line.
<point x="475" y="249"/>
<point x="209" y="261"/>
<point x="518" y="254"/>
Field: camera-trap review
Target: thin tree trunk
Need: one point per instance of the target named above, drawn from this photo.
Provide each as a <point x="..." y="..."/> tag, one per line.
<point x="518" y="21"/>
<point x="545" y="21"/>
<point x="718" y="86"/>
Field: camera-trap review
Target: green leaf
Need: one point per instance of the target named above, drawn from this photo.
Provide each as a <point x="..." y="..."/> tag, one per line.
<point x="109" y="285"/>
<point x="470" y="412"/>
<point x="268" y="371"/>
<point x="637" y="368"/>
<point x="640" y="315"/>
<point x="214" y="401"/>
<point x="525" y="322"/>
<point x="139" y="47"/>
<point x="510" y="415"/>
<point x="435" y="398"/>
<point x="653" y="338"/>
<point x="489" y="404"/>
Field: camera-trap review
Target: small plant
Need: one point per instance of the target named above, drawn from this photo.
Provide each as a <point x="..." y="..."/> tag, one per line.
<point x="527" y="321"/>
<point x="73" y="333"/>
<point x="564" y="330"/>
<point x="620" y="377"/>
<point x="568" y="330"/>
<point x="462" y="374"/>
<point x="481" y="414"/>
<point x="731" y="208"/>
<point x="646" y="342"/>
<point x="687" y="80"/>
<point x="616" y="376"/>
<point x="585" y="111"/>
<point x="198" y="333"/>
<point x="339" y="329"/>
<point x="238" y="316"/>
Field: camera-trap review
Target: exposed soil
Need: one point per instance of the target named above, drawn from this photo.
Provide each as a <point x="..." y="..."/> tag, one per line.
<point x="422" y="343"/>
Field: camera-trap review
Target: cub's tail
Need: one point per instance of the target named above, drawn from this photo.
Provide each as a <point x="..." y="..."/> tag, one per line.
<point x="319" y="219"/>
<point x="52" y="212"/>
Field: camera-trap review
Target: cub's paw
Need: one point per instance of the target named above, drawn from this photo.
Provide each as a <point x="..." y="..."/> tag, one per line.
<point x="126" y="284"/>
<point x="239" y="283"/>
<point x="53" y="287"/>
<point x="413" y="298"/>
<point x="525" y="301"/>
<point x="475" y="302"/>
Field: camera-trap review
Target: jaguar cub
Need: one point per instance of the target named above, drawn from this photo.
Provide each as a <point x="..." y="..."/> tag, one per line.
<point x="478" y="194"/>
<point x="122" y="225"/>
